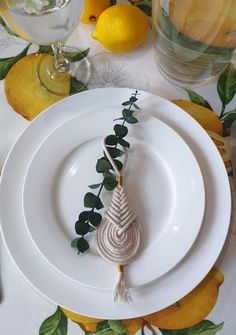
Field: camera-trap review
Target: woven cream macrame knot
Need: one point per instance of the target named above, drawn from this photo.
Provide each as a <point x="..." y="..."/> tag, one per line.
<point x="119" y="237"/>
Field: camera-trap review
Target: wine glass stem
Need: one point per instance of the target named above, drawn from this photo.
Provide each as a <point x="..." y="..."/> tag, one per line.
<point x="61" y="64"/>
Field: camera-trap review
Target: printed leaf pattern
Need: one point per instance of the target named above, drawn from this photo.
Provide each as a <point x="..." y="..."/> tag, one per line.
<point x="226" y="85"/>
<point x="56" y="324"/>
<point x="203" y="328"/>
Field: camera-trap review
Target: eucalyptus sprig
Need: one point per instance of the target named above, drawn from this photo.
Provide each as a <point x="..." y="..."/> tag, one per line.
<point x="89" y="220"/>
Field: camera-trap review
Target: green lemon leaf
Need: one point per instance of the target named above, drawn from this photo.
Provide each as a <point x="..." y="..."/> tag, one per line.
<point x="198" y="99"/>
<point x="228" y="119"/>
<point x="81" y="228"/>
<point x="56" y="324"/>
<point x="82" y="245"/>
<point x="7" y="63"/>
<point x="76" y="86"/>
<point x="92" y="201"/>
<point x="110" y="183"/>
<point x="117" y="327"/>
<point x="226" y="85"/>
<point x="120" y="130"/>
<point x="102" y="165"/>
<point x="76" y="56"/>
<point x="205" y="327"/>
<point x="102" y="326"/>
<point x="8" y="30"/>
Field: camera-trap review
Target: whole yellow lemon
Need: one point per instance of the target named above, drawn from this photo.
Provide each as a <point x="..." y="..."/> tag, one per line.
<point x="122" y="27"/>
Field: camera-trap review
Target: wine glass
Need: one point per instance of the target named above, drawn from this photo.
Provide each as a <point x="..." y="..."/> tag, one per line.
<point x="49" y="22"/>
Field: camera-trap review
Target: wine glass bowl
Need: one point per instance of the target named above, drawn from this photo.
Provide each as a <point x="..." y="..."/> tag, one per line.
<point x="47" y="22"/>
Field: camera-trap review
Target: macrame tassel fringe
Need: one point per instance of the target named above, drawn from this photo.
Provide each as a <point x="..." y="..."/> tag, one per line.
<point x="121" y="291"/>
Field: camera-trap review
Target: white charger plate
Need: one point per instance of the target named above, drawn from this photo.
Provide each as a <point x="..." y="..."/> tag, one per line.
<point x="163" y="181"/>
<point x="162" y="292"/>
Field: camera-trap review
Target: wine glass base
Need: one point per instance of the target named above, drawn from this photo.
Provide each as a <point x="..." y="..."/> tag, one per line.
<point x="112" y="70"/>
<point x="73" y="80"/>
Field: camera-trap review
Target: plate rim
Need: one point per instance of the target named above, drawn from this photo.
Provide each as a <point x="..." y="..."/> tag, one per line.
<point x="126" y="312"/>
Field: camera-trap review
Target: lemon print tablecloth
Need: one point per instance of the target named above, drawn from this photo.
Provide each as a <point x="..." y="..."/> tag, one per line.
<point x="210" y="307"/>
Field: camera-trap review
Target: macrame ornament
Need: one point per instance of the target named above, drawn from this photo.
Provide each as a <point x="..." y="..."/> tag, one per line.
<point x="119" y="237"/>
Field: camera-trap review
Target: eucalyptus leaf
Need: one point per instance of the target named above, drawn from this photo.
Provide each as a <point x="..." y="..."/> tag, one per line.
<point x="111" y="140"/>
<point x="127" y="112"/>
<point x="127" y="103"/>
<point x="81" y="228"/>
<point x="205" y="327"/>
<point x="92" y="201"/>
<point x="84" y="216"/>
<point x="7" y="63"/>
<point x="131" y="120"/>
<point x="56" y="324"/>
<point x="198" y="99"/>
<point x="82" y="244"/>
<point x="136" y="106"/>
<point x="145" y="7"/>
<point x="124" y="143"/>
<point x="119" y="165"/>
<point x="102" y="165"/>
<point x="74" y="242"/>
<point x="115" y="152"/>
<point x="120" y="130"/>
<point x="226" y="85"/>
<point x="94" y="186"/>
<point x="133" y="99"/>
<point x="95" y="218"/>
<point x="76" y="86"/>
<point x="110" y="183"/>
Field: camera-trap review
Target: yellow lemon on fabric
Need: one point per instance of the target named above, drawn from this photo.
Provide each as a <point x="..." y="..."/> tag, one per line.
<point x="206" y="117"/>
<point x="79" y="318"/>
<point x="223" y="146"/>
<point x="23" y="90"/>
<point x="122" y="27"/>
<point x="193" y="308"/>
<point x="92" y="10"/>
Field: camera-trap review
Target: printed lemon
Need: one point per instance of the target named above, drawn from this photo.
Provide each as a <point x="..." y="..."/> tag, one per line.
<point x="92" y="10"/>
<point x="84" y="320"/>
<point x="206" y="117"/>
<point x="23" y="90"/>
<point x="193" y="308"/>
<point x="122" y="27"/>
<point x="223" y="145"/>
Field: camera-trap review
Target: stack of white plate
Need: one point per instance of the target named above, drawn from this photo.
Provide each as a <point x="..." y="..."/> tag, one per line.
<point x="176" y="182"/>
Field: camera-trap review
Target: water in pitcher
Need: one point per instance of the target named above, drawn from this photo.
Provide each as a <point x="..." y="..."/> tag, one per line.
<point x="193" y="39"/>
<point x="52" y="24"/>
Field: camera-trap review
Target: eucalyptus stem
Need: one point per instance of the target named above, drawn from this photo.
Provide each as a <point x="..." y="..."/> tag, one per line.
<point x="90" y="219"/>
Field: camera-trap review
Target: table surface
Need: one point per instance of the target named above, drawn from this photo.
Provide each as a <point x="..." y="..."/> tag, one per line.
<point x="22" y="309"/>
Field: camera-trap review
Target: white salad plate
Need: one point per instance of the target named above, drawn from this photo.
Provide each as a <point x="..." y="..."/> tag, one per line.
<point x="162" y="292"/>
<point x="162" y="179"/>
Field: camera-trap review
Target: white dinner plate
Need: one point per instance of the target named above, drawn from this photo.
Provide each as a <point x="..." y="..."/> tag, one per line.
<point x="162" y="179"/>
<point x="149" y="298"/>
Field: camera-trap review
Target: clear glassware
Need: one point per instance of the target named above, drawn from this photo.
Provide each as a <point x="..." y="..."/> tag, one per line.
<point x="48" y="22"/>
<point x="194" y="40"/>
